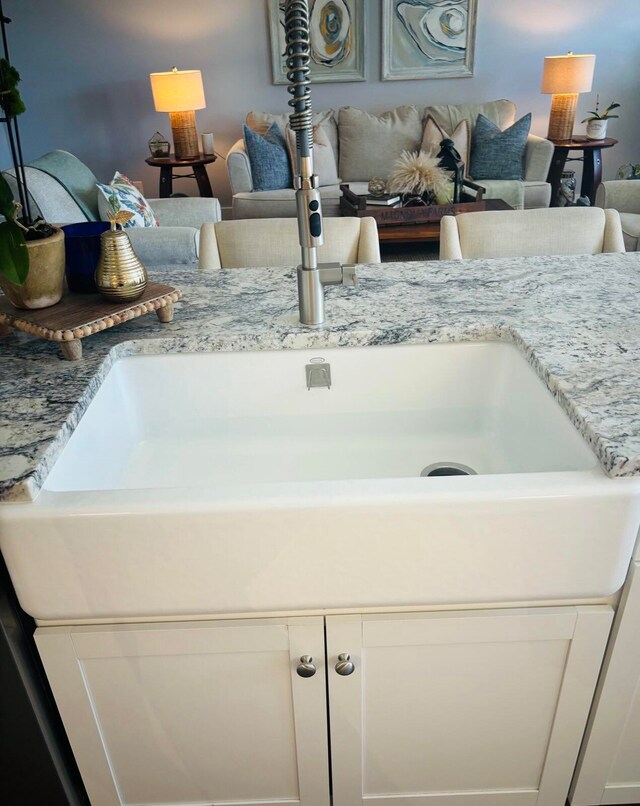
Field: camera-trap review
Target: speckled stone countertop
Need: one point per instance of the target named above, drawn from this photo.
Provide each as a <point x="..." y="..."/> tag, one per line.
<point x="576" y="319"/>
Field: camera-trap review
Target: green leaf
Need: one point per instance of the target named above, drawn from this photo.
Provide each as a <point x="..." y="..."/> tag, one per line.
<point x="10" y="99"/>
<point x="14" y="256"/>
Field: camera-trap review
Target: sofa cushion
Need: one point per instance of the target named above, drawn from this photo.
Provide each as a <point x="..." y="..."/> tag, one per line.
<point x="282" y="203"/>
<point x="260" y="122"/>
<point x="434" y="134"/>
<point x="527" y="195"/>
<point x="536" y="194"/>
<point x="497" y="154"/>
<point x="122" y="194"/>
<point x="370" y="144"/>
<point x="324" y="160"/>
<point x="502" y="113"/>
<point x="269" y="159"/>
<point x="509" y="190"/>
<point x="166" y="246"/>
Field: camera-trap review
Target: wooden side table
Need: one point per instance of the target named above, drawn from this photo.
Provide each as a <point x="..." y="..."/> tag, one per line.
<point x="592" y="168"/>
<point x="198" y="172"/>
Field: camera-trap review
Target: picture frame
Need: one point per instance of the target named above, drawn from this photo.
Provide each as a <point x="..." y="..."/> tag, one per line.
<point x="428" y="39"/>
<point x="325" y="65"/>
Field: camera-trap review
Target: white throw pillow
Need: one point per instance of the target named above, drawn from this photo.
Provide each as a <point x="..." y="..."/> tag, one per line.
<point x="434" y="134"/>
<point x="122" y="194"/>
<point x="324" y="160"/>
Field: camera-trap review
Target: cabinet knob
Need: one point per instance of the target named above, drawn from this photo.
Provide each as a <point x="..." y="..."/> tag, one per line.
<point x="345" y="665"/>
<point x="306" y="667"/>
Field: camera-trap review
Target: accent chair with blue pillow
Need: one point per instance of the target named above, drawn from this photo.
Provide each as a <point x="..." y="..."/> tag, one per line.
<point x="64" y="191"/>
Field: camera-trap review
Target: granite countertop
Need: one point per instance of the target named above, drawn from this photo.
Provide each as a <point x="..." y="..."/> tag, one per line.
<point x="576" y="319"/>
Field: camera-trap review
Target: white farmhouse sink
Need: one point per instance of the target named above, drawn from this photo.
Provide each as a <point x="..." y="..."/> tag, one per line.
<point x="218" y="483"/>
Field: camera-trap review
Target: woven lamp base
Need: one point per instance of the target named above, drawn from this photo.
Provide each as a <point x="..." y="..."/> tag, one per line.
<point x="562" y="116"/>
<point x="185" y="134"/>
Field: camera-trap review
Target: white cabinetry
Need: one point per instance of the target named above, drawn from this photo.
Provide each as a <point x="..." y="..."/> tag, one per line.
<point x="198" y="713"/>
<point x="609" y="767"/>
<point x="468" y="708"/>
<point x="475" y="708"/>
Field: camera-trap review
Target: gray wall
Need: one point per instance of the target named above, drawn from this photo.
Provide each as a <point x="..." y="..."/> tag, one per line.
<point x="85" y="67"/>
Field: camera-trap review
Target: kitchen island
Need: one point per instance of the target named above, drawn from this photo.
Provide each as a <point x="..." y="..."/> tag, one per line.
<point x="196" y="636"/>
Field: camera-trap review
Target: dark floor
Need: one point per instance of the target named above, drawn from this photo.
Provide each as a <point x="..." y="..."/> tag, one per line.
<point x="400" y="252"/>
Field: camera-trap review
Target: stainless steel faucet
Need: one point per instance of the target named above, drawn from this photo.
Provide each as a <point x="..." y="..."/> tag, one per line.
<point x="311" y="277"/>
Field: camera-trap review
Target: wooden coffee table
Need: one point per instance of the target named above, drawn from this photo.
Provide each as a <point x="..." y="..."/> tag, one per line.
<point x="412" y="224"/>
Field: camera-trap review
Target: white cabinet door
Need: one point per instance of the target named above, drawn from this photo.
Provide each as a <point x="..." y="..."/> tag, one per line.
<point x="197" y="713"/>
<point x="609" y="767"/>
<point x="475" y="708"/>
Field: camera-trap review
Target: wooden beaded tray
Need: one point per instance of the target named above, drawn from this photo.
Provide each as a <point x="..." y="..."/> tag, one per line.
<point x="77" y="316"/>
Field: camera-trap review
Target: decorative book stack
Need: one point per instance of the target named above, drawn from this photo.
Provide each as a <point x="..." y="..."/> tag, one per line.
<point x="386" y="200"/>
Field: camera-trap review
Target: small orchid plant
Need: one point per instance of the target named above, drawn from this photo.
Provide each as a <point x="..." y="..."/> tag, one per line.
<point x="597" y="115"/>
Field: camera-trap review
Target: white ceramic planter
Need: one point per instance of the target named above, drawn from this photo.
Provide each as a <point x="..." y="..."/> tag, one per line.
<point x="597" y="129"/>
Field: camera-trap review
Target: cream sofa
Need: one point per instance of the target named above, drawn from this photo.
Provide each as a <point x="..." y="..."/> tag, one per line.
<point x="623" y="195"/>
<point x="359" y="160"/>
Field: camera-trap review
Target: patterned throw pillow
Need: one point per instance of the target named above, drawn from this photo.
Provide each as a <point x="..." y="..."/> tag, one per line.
<point x="122" y="194"/>
<point x="497" y="154"/>
<point x="434" y="134"/>
<point x="270" y="168"/>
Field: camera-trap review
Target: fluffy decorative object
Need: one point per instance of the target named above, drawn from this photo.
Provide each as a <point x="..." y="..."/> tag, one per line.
<point x="416" y="173"/>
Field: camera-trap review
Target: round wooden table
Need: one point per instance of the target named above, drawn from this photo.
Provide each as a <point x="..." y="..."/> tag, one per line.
<point x="592" y="168"/>
<point x="198" y="172"/>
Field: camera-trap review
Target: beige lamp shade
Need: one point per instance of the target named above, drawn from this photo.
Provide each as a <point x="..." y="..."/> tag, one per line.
<point x="568" y="74"/>
<point x="178" y="90"/>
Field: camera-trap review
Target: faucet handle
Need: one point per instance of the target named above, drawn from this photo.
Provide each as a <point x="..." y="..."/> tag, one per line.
<point x="349" y="276"/>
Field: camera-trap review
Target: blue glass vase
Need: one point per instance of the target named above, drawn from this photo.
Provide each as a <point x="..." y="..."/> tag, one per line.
<point x="82" y="252"/>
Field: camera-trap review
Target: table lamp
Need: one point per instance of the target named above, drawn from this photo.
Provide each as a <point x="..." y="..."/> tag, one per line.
<point x="565" y="77"/>
<point x="180" y="93"/>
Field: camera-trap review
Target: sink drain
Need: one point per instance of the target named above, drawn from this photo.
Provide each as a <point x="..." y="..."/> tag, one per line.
<point x="448" y="469"/>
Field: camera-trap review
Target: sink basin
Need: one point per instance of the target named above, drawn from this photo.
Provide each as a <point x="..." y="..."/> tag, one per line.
<point x="219" y="483"/>
<point x="248" y="418"/>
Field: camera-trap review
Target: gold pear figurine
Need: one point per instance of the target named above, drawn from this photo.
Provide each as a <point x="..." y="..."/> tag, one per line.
<point x="120" y="276"/>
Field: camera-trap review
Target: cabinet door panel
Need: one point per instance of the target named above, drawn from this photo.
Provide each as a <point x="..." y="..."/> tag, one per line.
<point x="461" y="708"/>
<point x="609" y="767"/>
<point x="193" y="713"/>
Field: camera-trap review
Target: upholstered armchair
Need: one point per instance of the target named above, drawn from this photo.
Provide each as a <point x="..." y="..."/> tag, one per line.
<point x="274" y="242"/>
<point x="623" y="195"/>
<point x="523" y="233"/>
<point x="73" y="197"/>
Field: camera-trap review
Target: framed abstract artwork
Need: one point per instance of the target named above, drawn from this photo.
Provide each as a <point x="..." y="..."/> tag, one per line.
<point x="428" y="38"/>
<point x="336" y="39"/>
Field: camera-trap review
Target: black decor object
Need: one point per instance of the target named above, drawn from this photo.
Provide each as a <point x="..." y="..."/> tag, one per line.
<point x="450" y="160"/>
<point x="12" y="106"/>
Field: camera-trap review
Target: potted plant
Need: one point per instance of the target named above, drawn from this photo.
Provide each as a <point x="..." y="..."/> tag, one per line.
<point x="597" y="122"/>
<point x="31" y="257"/>
<point x="31" y="251"/>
